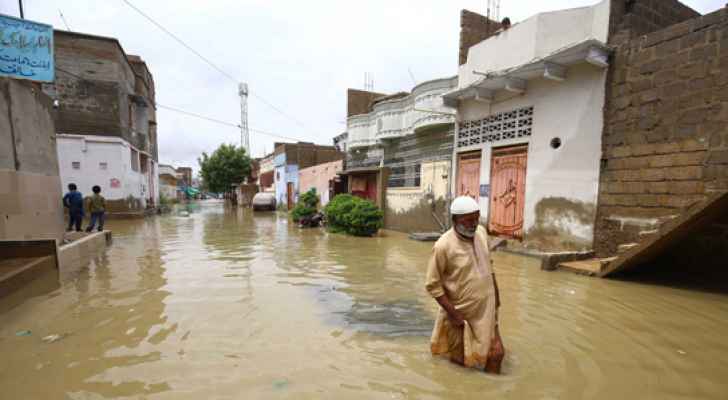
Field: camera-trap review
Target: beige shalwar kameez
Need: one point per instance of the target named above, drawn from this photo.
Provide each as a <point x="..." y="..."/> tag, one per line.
<point x="461" y="270"/>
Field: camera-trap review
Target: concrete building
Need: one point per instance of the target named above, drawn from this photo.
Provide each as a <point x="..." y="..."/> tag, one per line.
<point x="266" y="174"/>
<point x="530" y="104"/>
<point x="168" y="182"/>
<point x="105" y="121"/>
<point x="399" y="150"/>
<point x="288" y="159"/>
<point x="321" y="178"/>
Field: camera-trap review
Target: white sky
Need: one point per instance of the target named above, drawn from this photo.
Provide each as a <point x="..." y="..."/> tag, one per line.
<point x="300" y="56"/>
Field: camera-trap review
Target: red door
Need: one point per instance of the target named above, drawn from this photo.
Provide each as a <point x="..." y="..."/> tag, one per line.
<point x="468" y="182"/>
<point x="290" y="195"/>
<point x="508" y="188"/>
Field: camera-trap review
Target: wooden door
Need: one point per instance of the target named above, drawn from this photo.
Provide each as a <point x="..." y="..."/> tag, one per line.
<point x="508" y="189"/>
<point x="468" y="180"/>
<point x="290" y="195"/>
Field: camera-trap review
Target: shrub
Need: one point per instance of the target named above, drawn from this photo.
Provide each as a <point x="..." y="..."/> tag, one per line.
<point x="306" y="206"/>
<point x="356" y="216"/>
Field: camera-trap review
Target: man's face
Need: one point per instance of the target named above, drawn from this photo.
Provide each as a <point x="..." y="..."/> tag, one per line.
<point x="467" y="224"/>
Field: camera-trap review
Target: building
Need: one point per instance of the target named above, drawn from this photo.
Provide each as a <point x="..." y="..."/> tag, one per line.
<point x="266" y="173"/>
<point x="288" y="159"/>
<point x="105" y="121"/>
<point x="30" y="185"/>
<point x="530" y="103"/>
<point x="168" y="182"/>
<point x="399" y="151"/>
<point x="665" y="142"/>
<point x="321" y="178"/>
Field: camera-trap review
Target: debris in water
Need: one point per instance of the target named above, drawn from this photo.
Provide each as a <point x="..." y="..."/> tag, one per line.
<point x="23" y="333"/>
<point x="53" y="338"/>
<point x="280" y="384"/>
<point x="681" y="352"/>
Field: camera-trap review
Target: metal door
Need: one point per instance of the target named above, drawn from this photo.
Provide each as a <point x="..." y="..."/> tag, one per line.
<point x="508" y="188"/>
<point x="468" y="182"/>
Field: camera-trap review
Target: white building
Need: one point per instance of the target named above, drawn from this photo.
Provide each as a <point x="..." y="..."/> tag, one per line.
<point x="127" y="176"/>
<point x="168" y="179"/>
<point x="530" y="117"/>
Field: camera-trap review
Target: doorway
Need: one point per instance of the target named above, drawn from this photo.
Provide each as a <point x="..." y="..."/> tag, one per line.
<point x="290" y="195"/>
<point x="468" y="179"/>
<point x="508" y="189"/>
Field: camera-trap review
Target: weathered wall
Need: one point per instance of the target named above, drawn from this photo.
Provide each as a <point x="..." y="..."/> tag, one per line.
<point x="30" y="189"/>
<point x="474" y="28"/>
<point x="359" y="101"/>
<point x="318" y="177"/>
<point x="418" y="181"/>
<point x="561" y="184"/>
<point x="665" y="140"/>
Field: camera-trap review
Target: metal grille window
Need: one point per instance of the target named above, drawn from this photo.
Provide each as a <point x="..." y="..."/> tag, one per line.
<point x="502" y="126"/>
<point x="405" y="176"/>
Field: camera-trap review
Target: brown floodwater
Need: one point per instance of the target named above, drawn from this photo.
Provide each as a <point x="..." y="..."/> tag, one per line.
<point x="225" y="304"/>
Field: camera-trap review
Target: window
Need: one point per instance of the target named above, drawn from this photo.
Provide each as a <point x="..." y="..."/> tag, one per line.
<point x="502" y="126"/>
<point x="405" y="176"/>
<point x="76" y="165"/>
<point x="134" y="160"/>
<point x="103" y="166"/>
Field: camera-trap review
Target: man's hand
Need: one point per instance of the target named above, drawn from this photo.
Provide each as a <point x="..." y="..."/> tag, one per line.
<point x="455" y="316"/>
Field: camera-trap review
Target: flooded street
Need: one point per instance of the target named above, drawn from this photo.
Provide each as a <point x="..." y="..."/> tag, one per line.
<point x="226" y="305"/>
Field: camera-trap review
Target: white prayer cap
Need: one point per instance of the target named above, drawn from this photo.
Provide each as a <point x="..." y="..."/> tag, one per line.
<point x="464" y="205"/>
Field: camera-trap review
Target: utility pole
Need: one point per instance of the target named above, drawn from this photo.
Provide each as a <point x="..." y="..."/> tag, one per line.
<point x="244" y="133"/>
<point x="20" y="5"/>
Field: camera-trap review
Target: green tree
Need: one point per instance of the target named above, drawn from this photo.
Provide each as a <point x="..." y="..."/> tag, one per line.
<point x="226" y="166"/>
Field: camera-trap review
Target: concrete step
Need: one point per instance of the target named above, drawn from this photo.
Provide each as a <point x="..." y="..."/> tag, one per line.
<point x="623" y="248"/>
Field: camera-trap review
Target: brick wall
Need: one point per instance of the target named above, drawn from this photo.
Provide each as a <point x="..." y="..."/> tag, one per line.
<point x="665" y="143"/>
<point x="359" y="101"/>
<point x="632" y="18"/>
<point x="474" y="28"/>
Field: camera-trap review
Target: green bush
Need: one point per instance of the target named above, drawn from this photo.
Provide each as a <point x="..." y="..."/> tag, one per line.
<point x="306" y="206"/>
<point x="356" y="216"/>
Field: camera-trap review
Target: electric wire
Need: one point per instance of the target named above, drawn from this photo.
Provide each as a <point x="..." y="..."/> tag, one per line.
<point x="210" y="63"/>
<point x="200" y="116"/>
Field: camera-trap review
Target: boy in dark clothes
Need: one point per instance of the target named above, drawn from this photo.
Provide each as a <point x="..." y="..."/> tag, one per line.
<point x="73" y="200"/>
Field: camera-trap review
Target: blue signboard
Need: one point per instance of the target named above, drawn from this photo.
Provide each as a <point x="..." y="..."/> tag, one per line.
<point x="26" y="49"/>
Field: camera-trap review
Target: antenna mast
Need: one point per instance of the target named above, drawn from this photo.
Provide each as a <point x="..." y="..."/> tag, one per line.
<point x="244" y="133"/>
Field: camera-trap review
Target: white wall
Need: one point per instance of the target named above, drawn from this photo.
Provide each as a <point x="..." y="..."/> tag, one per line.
<point x="535" y="38"/>
<point x="571" y="110"/>
<point x="91" y="151"/>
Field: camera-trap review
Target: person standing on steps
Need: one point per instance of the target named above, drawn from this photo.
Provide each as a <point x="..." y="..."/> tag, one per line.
<point x="97" y="208"/>
<point x="461" y="279"/>
<point x="73" y="200"/>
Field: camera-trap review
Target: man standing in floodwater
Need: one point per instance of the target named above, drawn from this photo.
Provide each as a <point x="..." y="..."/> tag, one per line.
<point x="460" y="277"/>
<point x="73" y="200"/>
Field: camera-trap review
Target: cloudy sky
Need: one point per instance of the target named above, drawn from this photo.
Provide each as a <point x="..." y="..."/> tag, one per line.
<point x="299" y="56"/>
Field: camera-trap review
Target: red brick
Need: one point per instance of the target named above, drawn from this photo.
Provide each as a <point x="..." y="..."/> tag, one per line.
<point x="687" y="187"/>
<point x="657" y="187"/>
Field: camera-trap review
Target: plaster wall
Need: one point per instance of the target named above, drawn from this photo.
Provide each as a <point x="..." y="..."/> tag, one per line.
<point x="535" y="38"/>
<point x="561" y="184"/>
<point x="318" y="177"/>
<point x="92" y="152"/>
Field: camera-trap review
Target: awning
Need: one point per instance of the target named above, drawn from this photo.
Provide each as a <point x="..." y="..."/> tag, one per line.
<point x="554" y="67"/>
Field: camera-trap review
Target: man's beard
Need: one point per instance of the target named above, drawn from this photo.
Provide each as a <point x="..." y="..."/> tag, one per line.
<point x="465" y="231"/>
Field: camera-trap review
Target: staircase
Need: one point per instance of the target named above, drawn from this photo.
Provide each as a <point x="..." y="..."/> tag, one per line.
<point x="654" y="237"/>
